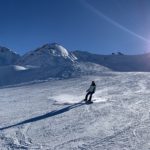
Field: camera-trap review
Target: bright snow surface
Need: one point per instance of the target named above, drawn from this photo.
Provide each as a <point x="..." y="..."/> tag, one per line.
<point x="20" y="68"/>
<point x="50" y="116"/>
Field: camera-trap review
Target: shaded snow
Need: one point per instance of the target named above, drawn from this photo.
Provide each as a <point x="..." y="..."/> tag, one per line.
<point x="7" y="57"/>
<point x="18" y="74"/>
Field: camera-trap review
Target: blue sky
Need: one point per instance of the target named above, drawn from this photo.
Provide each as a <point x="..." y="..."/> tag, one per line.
<point x="97" y="26"/>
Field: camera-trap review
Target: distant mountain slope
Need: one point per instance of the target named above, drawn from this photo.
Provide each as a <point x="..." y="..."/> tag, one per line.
<point x="117" y="62"/>
<point x="48" y="61"/>
<point x="54" y="61"/>
<point x="7" y="57"/>
<point x="48" y="55"/>
<point x="58" y="61"/>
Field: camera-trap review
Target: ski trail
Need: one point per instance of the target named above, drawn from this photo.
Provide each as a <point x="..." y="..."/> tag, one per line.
<point x="18" y="139"/>
<point x="142" y="86"/>
<point x="21" y="135"/>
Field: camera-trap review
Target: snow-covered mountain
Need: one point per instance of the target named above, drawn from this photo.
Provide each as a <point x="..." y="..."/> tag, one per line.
<point x="55" y="61"/>
<point x="52" y="60"/>
<point x="48" y="61"/>
<point x="7" y="57"/>
<point x="117" y="62"/>
<point x="48" y="55"/>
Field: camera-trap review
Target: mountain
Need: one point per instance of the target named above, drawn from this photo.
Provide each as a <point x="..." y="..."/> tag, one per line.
<point x="7" y="57"/>
<point x="48" y="55"/>
<point x="55" y="61"/>
<point x="48" y="61"/>
<point x="117" y="62"/>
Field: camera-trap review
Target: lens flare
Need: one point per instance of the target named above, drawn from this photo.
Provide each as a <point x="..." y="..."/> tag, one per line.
<point x="111" y="21"/>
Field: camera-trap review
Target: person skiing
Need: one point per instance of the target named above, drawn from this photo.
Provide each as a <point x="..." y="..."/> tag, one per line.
<point x="90" y="92"/>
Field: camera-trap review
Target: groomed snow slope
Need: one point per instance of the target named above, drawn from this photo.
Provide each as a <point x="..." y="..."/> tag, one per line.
<point x="49" y="116"/>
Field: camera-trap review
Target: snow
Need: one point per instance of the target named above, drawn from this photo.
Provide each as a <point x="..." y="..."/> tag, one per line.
<point x="49" y="115"/>
<point x="50" y="60"/>
<point x="54" y="56"/>
<point x="62" y="51"/>
<point x="55" y="61"/>
<point x="21" y="74"/>
<point x="124" y="63"/>
<point x="7" y="57"/>
<point x="20" y="68"/>
<point x="42" y="107"/>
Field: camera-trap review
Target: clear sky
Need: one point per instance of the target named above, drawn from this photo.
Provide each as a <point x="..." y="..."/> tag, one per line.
<point x="98" y="26"/>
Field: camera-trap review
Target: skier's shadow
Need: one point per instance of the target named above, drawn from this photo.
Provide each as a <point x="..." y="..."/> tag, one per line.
<point x="50" y="114"/>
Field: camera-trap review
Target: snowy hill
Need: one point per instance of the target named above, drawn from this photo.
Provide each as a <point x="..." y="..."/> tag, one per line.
<point x="51" y="60"/>
<point x="117" y="62"/>
<point x="48" y="55"/>
<point x="7" y="57"/>
<point x="55" y="61"/>
<point x="51" y="116"/>
<point x="48" y="61"/>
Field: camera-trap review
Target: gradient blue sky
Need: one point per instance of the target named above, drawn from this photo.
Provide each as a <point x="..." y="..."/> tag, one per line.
<point x="98" y="26"/>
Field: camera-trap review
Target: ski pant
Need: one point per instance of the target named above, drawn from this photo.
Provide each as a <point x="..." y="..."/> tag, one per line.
<point x="86" y="97"/>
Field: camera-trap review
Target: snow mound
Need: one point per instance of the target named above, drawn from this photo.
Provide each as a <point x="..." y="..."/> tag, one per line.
<point x="60" y="50"/>
<point x="20" y="68"/>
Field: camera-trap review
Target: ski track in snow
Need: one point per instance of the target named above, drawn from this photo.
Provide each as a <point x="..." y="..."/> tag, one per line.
<point x="51" y="116"/>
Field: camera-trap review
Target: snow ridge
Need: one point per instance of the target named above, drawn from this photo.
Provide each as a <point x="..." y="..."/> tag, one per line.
<point x="7" y="57"/>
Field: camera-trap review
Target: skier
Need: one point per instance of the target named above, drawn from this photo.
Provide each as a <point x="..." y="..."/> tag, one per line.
<point x="90" y="92"/>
